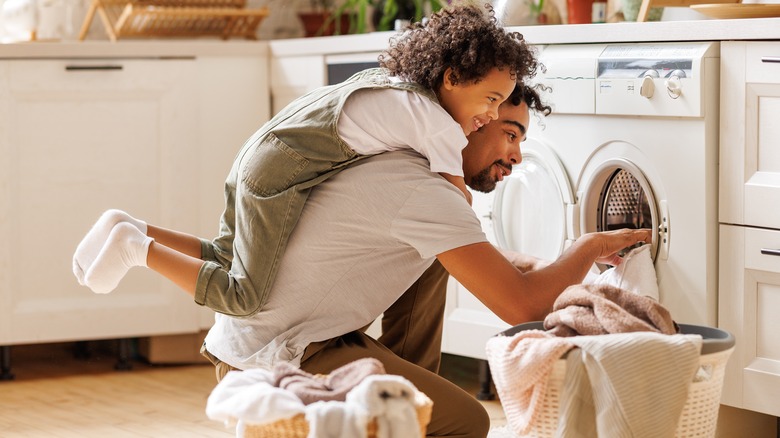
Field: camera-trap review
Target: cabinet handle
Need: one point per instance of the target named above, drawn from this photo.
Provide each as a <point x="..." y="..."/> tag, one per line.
<point x="92" y="67"/>
<point x="767" y="251"/>
<point x="771" y="59"/>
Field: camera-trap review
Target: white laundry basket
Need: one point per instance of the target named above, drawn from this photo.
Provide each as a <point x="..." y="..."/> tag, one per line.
<point x="699" y="416"/>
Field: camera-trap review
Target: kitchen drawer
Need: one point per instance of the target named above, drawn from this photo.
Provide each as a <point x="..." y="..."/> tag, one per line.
<point x="762" y="250"/>
<point x="749" y="134"/>
<point x="97" y="75"/>
<point x="762" y="62"/>
<point x="749" y="298"/>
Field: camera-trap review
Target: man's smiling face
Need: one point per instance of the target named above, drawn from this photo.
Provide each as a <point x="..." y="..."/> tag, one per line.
<point x="495" y="147"/>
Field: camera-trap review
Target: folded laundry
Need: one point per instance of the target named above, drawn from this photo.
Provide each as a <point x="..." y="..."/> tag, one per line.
<point x="311" y="388"/>
<point x="601" y="309"/>
<point x="389" y="405"/>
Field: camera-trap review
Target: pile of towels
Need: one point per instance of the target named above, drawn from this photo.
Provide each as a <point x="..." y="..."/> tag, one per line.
<point x="627" y="369"/>
<point x="337" y="405"/>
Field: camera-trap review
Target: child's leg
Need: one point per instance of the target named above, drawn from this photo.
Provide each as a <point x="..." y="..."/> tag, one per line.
<point x="125" y="247"/>
<point x="458" y="182"/>
<point x="118" y="242"/>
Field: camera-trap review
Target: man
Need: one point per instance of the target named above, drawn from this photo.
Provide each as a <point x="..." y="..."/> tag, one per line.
<point x="370" y="233"/>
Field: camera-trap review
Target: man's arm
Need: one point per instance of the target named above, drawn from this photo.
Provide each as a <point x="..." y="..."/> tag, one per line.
<point x="523" y="262"/>
<point x="517" y="296"/>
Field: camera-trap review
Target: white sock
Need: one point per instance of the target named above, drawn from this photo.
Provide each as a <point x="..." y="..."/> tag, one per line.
<point x="125" y="247"/>
<point x="92" y="243"/>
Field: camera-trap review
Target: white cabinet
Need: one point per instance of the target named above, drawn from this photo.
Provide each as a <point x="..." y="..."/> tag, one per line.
<point x="154" y="137"/>
<point x="749" y="288"/>
<point x="294" y="76"/>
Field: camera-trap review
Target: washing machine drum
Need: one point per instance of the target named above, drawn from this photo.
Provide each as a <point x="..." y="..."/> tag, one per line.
<point x="623" y="203"/>
<point x="616" y="194"/>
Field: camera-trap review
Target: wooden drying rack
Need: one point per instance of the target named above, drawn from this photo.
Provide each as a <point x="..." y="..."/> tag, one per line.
<point x="174" y="18"/>
<point x="644" y="10"/>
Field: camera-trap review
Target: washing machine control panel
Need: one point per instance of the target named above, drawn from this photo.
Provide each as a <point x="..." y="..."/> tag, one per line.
<point x="652" y="79"/>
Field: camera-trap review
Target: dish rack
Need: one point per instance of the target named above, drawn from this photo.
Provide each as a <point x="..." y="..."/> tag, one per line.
<point x="174" y="18"/>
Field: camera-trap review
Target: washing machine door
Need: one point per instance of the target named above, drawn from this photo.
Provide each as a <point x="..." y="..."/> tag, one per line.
<point x="533" y="206"/>
<point x="615" y="191"/>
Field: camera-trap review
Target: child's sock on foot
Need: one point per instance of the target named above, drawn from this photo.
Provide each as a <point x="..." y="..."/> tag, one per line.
<point x="93" y="241"/>
<point x="125" y="247"/>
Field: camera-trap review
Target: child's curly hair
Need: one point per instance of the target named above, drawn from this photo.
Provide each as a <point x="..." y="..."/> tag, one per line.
<point x="466" y="38"/>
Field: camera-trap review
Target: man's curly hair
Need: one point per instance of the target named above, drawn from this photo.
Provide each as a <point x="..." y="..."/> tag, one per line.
<point x="529" y="95"/>
<point x="466" y="38"/>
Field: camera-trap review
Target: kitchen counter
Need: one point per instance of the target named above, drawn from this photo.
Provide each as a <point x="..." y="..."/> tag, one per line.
<point x="147" y="48"/>
<point x="699" y="30"/>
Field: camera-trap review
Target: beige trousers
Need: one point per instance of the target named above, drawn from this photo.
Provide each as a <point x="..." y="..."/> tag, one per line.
<point x="410" y="346"/>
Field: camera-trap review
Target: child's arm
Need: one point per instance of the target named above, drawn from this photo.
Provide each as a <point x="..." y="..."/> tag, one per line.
<point x="458" y="182"/>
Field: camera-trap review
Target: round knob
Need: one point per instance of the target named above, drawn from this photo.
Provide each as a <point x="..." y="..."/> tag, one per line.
<point x="674" y="85"/>
<point x="648" y="87"/>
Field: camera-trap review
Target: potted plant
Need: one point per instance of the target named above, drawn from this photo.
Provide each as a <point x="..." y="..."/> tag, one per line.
<point x="385" y="12"/>
<point x="321" y="19"/>
<point x="388" y="11"/>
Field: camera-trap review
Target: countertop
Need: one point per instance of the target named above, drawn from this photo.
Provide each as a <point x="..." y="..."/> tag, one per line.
<point x="137" y="48"/>
<point x="663" y="31"/>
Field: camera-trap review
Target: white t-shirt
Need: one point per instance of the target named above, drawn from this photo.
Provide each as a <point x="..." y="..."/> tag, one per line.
<point x="380" y="120"/>
<point x="364" y="236"/>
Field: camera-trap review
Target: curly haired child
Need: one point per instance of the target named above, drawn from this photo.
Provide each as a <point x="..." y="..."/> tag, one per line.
<point x="437" y="83"/>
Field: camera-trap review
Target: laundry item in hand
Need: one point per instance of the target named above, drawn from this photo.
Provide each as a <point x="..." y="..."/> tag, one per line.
<point x="635" y="274"/>
<point x="601" y="309"/>
<point x="311" y="388"/>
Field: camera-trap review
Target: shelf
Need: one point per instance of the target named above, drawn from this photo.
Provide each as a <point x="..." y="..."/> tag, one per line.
<point x="174" y="18"/>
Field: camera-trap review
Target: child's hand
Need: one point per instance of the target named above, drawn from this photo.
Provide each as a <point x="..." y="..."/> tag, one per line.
<point x="468" y="196"/>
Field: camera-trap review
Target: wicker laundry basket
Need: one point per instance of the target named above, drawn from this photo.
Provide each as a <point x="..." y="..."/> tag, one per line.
<point x="699" y="416"/>
<point x="297" y="427"/>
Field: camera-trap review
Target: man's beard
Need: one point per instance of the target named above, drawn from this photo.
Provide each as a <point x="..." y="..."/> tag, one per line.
<point x="484" y="181"/>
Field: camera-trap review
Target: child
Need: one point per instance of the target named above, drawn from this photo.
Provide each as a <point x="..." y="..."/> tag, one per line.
<point x="438" y="83"/>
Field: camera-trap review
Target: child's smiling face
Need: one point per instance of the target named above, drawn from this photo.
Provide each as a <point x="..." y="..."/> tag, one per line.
<point x="474" y="104"/>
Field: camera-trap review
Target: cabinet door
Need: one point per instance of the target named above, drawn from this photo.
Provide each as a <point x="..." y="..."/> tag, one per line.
<point x="750" y="134"/>
<point x="749" y="299"/>
<point x="292" y="77"/>
<point x="79" y="137"/>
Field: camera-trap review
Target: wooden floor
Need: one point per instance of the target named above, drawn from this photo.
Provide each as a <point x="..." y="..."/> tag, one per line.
<point x="56" y="394"/>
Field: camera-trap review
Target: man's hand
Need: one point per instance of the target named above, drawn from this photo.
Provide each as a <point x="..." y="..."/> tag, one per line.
<point x="610" y="243"/>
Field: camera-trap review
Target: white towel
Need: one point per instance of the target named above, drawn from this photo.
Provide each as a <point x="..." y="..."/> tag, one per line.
<point x="391" y="400"/>
<point x="250" y="397"/>
<point x="335" y="419"/>
<point x="636" y="274"/>
<point x="627" y="384"/>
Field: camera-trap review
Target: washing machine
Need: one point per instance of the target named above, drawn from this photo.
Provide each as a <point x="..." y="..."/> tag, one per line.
<point x="632" y="143"/>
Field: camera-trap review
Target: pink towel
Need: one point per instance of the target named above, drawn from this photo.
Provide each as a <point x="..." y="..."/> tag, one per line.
<point x="521" y="365"/>
<point x="334" y="386"/>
